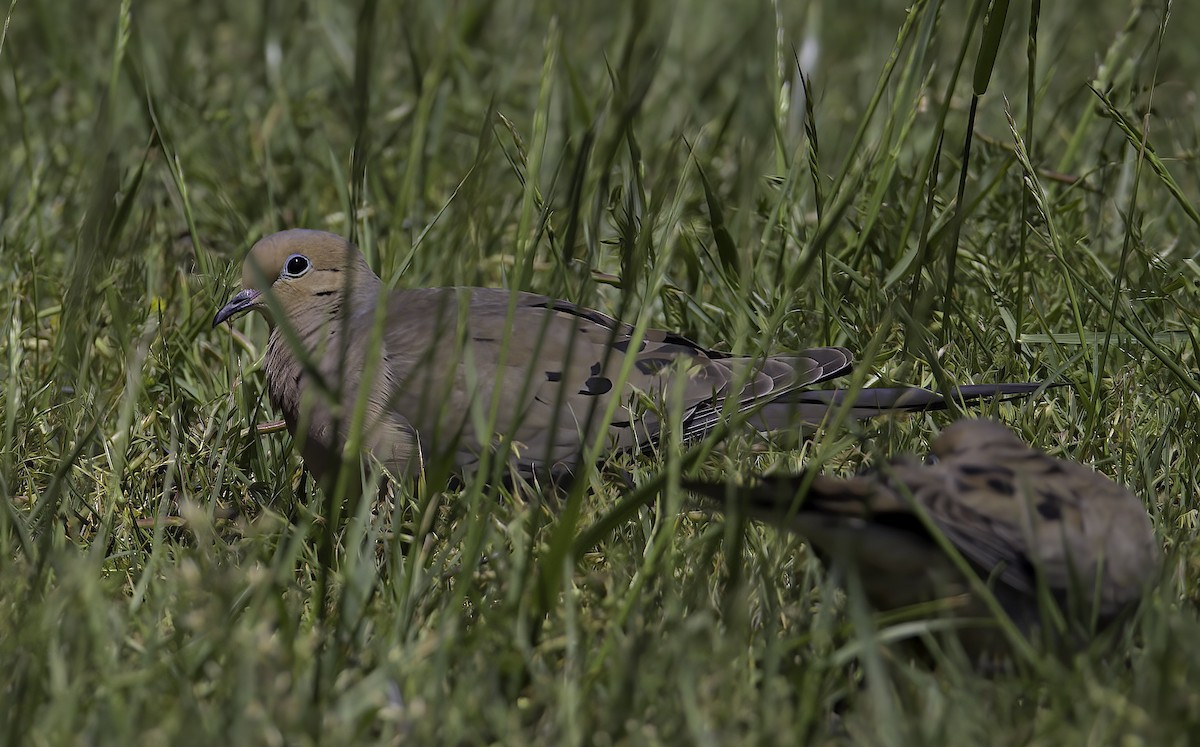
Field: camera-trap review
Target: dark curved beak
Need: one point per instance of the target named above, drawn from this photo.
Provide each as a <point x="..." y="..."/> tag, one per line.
<point x="241" y="303"/>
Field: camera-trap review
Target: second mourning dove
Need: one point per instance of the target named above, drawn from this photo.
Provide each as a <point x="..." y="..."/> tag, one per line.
<point x="1022" y="520"/>
<point x="440" y="364"/>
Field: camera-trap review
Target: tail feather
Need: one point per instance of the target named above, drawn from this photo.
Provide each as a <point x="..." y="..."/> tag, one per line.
<point x="916" y="398"/>
<point x="810" y="407"/>
<point x="772" y="500"/>
<point x="897" y="562"/>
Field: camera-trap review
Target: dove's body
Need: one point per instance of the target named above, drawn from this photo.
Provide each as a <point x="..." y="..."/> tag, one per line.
<point x="446" y="372"/>
<point x="437" y="384"/>
<point x="1018" y="516"/>
<point x="436" y="366"/>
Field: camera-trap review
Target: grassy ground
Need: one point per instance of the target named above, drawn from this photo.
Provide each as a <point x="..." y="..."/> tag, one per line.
<point x="168" y="578"/>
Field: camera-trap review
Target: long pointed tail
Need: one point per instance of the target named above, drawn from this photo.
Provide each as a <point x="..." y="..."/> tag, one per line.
<point x="765" y="498"/>
<point x="811" y="407"/>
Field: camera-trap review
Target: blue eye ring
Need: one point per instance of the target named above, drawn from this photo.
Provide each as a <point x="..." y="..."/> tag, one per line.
<point x="295" y="266"/>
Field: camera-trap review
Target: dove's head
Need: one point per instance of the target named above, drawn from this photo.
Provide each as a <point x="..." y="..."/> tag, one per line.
<point x="296" y="272"/>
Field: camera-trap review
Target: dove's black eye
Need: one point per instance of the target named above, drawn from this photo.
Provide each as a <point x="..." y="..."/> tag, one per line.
<point x="296" y="265"/>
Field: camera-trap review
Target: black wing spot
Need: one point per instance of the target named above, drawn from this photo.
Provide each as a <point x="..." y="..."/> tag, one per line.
<point x="596" y="369"/>
<point x="1001" y="486"/>
<point x="623" y="345"/>
<point x="324" y="293"/>
<point x="1050" y="507"/>
<point x="595" y="386"/>
<point x="978" y="470"/>
<point x="554" y="376"/>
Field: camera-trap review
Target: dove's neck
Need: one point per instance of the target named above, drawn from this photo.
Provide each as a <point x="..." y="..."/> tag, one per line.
<point x="319" y="358"/>
<point x="328" y="322"/>
<point x="355" y="293"/>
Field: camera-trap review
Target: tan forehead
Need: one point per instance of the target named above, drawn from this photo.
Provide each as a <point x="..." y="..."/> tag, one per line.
<point x="266" y="258"/>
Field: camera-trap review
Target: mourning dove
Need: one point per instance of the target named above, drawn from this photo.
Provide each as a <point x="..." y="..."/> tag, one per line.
<point x="439" y="364"/>
<point x="1018" y="516"/>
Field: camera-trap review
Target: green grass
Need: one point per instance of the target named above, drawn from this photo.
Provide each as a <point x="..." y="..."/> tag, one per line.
<point x="167" y="576"/>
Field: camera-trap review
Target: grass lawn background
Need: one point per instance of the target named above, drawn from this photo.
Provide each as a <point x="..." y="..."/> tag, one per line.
<point x="167" y="576"/>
